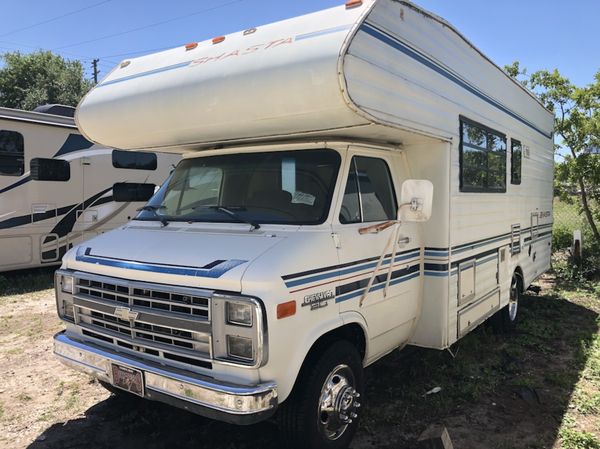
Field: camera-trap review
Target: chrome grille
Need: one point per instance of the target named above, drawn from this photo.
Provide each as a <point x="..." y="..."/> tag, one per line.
<point x="166" y="322"/>
<point x="151" y="298"/>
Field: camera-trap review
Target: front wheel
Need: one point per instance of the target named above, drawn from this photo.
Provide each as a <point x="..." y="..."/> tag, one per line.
<point x="324" y="408"/>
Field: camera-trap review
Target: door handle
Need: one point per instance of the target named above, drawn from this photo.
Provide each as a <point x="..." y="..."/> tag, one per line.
<point x="404" y="241"/>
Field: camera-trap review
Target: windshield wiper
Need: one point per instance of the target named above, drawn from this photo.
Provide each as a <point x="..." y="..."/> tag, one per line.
<point x="155" y="209"/>
<point x="235" y="216"/>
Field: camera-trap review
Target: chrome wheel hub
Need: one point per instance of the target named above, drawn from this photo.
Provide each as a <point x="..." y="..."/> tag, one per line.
<point x="513" y="302"/>
<point x="338" y="402"/>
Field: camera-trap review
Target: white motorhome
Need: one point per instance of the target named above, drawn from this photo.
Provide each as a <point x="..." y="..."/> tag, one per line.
<point x="291" y="248"/>
<point x="56" y="187"/>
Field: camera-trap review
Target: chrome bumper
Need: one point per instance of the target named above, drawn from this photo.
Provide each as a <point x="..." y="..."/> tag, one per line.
<point x="202" y="395"/>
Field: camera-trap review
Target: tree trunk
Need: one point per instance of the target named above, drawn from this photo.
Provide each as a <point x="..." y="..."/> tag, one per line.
<point x="587" y="211"/>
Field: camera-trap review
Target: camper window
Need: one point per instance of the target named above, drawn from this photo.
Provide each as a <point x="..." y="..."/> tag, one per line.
<point x="516" y="151"/>
<point x="369" y="194"/>
<point x="482" y="159"/>
<point x="12" y="157"/>
<point x="133" y="160"/>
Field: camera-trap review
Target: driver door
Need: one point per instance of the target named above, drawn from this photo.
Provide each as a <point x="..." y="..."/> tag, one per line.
<point x="369" y="197"/>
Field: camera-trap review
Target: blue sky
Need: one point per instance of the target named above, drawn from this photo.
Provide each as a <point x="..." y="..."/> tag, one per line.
<point x="539" y="33"/>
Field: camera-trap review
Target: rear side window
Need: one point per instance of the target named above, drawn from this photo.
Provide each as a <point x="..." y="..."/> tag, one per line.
<point x="133" y="160"/>
<point x="369" y="194"/>
<point x="516" y="155"/>
<point x="12" y="153"/>
<point x="482" y="159"/>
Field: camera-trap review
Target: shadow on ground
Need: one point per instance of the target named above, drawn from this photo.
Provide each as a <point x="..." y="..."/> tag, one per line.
<point x="26" y="281"/>
<point x="498" y="391"/>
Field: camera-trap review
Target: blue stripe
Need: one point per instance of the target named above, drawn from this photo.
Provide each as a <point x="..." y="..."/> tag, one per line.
<point x="432" y="253"/>
<point x="420" y="57"/>
<point x="336" y="273"/>
<point x="149" y="72"/>
<point x="323" y="32"/>
<point x="436" y="273"/>
<point x="215" y="272"/>
<point x="375" y="287"/>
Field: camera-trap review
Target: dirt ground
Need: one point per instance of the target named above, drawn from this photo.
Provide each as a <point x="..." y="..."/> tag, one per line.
<point x="538" y="388"/>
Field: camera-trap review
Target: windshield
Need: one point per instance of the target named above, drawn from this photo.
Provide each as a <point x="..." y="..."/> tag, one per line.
<point x="291" y="187"/>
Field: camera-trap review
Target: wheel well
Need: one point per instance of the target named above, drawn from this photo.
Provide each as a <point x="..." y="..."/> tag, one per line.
<point x="519" y="272"/>
<point x="352" y="333"/>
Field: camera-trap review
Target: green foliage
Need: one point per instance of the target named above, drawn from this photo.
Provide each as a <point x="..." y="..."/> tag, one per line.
<point x="577" y="123"/>
<point x="575" y="439"/>
<point x="562" y="236"/>
<point x="30" y="80"/>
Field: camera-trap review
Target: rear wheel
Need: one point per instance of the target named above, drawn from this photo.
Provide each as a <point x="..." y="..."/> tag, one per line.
<point x="506" y="319"/>
<point x="324" y="408"/>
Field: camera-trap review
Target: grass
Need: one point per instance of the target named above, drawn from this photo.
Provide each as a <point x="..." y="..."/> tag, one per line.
<point x="567" y="215"/>
<point x="21" y="282"/>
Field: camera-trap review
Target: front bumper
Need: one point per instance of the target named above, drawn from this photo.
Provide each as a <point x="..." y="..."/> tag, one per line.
<point x="202" y="395"/>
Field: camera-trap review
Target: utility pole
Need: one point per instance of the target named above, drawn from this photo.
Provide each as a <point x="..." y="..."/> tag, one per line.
<point x="95" y="67"/>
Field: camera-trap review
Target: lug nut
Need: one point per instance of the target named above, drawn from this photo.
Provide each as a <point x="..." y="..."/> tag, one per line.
<point x="357" y="395"/>
<point x="356" y="404"/>
<point x="353" y="415"/>
<point x="349" y="421"/>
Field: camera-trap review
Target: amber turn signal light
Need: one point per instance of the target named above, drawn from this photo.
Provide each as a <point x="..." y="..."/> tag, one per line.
<point x="286" y="309"/>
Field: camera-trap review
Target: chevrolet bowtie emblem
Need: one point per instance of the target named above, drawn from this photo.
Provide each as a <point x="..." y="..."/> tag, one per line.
<point x="125" y="313"/>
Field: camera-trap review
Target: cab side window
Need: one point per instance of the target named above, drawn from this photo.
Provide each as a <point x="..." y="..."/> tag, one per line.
<point x="369" y="194"/>
<point x="12" y="153"/>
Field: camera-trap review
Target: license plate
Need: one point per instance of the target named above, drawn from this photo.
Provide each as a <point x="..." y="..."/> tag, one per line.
<point x="128" y="379"/>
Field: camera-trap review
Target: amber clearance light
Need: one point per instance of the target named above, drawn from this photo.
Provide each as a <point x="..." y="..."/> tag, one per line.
<point x="353" y="4"/>
<point x="286" y="309"/>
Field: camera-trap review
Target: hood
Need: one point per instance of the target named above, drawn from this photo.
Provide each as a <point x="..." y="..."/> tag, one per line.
<point x="176" y="255"/>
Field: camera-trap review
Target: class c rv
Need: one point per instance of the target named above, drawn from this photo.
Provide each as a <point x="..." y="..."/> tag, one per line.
<point x="58" y="189"/>
<point x="353" y="181"/>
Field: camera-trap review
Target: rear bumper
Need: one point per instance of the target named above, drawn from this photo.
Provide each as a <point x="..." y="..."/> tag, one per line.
<point x="202" y="395"/>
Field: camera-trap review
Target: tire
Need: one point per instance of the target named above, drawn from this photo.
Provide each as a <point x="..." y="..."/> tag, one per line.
<point x="506" y="319"/>
<point x="308" y="420"/>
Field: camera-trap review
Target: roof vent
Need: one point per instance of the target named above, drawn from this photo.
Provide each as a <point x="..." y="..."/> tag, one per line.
<point x="56" y="109"/>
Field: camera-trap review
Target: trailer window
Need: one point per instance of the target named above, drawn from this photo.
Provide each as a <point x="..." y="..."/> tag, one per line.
<point x="133" y="160"/>
<point x="43" y="169"/>
<point x="482" y="159"/>
<point x="516" y="152"/>
<point x="12" y="153"/>
<point x="369" y="194"/>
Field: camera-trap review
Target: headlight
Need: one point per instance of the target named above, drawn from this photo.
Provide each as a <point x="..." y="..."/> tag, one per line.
<point x="66" y="284"/>
<point x="240" y="347"/>
<point x="239" y="314"/>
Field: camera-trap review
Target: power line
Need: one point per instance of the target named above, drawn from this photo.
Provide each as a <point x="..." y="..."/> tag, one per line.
<point x="43" y="22"/>
<point x="185" y="16"/>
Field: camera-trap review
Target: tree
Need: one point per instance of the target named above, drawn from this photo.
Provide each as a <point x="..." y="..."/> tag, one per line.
<point x="30" y="80"/>
<point x="577" y="123"/>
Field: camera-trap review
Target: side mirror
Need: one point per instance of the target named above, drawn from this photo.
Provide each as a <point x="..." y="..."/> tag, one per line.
<point x="127" y="192"/>
<point x="417" y="200"/>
